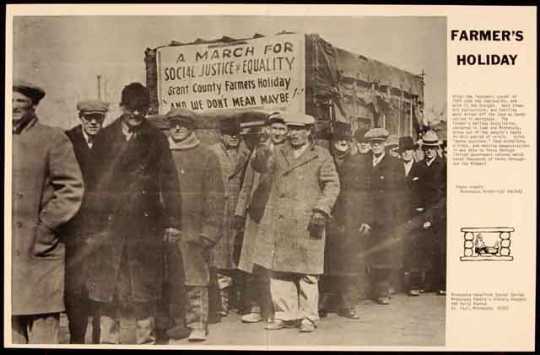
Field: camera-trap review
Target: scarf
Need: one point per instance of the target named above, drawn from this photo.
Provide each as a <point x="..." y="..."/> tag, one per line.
<point x="190" y="142"/>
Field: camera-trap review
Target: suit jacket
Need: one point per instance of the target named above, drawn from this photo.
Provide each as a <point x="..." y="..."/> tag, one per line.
<point x="47" y="192"/>
<point x="135" y="197"/>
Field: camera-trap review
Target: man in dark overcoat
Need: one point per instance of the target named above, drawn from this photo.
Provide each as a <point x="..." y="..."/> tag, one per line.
<point x="136" y="196"/>
<point x="433" y="197"/>
<point x="410" y="207"/>
<point x="339" y="283"/>
<point x="383" y="249"/>
<point x="47" y="192"/>
<point x="203" y="199"/>
<point x="78" y="307"/>
<point x="304" y="187"/>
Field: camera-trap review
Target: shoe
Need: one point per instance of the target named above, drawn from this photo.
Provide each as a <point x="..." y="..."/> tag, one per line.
<point x="178" y="332"/>
<point x="223" y="313"/>
<point x="348" y="313"/>
<point x="441" y="292"/>
<point x="414" y="293"/>
<point x="251" y="318"/>
<point x="307" y="326"/>
<point x="323" y="313"/>
<point x="278" y="324"/>
<point x="383" y="300"/>
<point x="197" y="335"/>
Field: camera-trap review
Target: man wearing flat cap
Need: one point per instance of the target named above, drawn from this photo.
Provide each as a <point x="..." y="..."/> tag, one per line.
<point x="303" y="189"/>
<point x="47" y="192"/>
<point x="232" y="171"/>
<point x="433" y="199"/>
<point x="92" y="113"/>
<point x="249" y="208"/>
<point x="136" y="199"/>
<point x="202" y="196"/>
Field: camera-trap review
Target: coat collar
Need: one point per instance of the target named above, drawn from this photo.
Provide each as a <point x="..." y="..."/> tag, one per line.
<point x="292" y="163"/>
<point x="25" y="124"/>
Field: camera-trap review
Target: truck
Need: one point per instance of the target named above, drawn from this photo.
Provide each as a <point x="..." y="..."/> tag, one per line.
<point x="286" y="71"/>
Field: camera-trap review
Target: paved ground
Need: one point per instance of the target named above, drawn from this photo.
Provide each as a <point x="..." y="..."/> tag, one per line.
<point x="412" y="321"/>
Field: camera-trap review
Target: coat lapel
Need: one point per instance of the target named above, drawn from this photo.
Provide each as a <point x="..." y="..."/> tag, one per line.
<point x="292" y="163"/>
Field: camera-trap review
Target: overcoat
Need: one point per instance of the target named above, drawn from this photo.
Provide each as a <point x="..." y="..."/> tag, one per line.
<point x="383" y="248"/>
<point x="346" y="247"/>
<point x="231" y="173"/>
<point x="75" y="232"/>
<point x="136" y="197"/>
<point x="202" y="196"/>
<point x="299" y="186"/>
<point x="47" y="192"/>
<point x="252" y="200"/>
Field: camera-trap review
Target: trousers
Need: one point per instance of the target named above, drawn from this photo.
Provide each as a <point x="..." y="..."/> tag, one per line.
<point x="197" y="307"/>
<point x="295" y="296"/>
<point x="258" y="293"/>
<point x="78" y="309"/>
<point x="122" y="323"/>
<point x="36" y="329"/>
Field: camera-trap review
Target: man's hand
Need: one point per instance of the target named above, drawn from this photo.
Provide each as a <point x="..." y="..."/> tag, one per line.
<point x="172" y="235"/>
<point x="317" y="224"/>
<point x="238" y="222"/>
<point x="427" y="225"/>
<point x="364" y="228"/>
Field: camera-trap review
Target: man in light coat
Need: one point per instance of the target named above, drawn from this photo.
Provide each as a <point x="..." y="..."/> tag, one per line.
<point x="304" y="187"/>
<point x="47" y="192"/>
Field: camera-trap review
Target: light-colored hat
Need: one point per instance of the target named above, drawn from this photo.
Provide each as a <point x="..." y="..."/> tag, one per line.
<point x="93" y="106"/>
<point x="297" y="119"/>
<point x="430" y="139"/>
<point x="377" y="134"/>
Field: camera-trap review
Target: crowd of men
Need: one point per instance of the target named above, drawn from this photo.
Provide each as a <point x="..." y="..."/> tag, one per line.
<point x="154" y="236"/>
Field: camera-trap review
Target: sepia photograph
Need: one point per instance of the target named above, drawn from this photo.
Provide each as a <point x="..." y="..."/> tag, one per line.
<point x="227" y="180"/>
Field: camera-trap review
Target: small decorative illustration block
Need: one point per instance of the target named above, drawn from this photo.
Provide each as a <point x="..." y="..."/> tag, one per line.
<point x="487" y="243"/>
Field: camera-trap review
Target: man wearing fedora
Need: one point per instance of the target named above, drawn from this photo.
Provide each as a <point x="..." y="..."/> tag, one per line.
<point x="136" y="197"/>
<point x="413" y="245"/>
<point x="382" y="247"/>
<point x="433" y="199"/>
<point x="202" y="198"/>
<point x="303" y="189"/>
<point x="47" y="192"/>
<point x="92" y="113"/>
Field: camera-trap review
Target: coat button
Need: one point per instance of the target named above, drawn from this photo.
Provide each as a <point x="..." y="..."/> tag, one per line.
<point x="146" y="214"/>
<point x="282" y="195"/>
<point x="19" y="224"/>
<point x="109" y="217"/>
<point x="20" y="194"/>
<point x="17" y="253"/>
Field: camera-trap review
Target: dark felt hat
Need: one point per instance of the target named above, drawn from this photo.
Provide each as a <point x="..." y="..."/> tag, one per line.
<point x="406" y="143"/>
<point x="135" y="95"/>
<point x="230" y="126"/>
<point x="342" y="130"/>
<point x="34" y="92"/>
<point x="360" y="134"/>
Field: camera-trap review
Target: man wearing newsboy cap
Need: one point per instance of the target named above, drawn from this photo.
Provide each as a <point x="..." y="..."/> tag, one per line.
<point x="47" y="193"/>
<point x="304" y="188"/>
<point x="382" y="248"/>
<point x="92" y="113"/>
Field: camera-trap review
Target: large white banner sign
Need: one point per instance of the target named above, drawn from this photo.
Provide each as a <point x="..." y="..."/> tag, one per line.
<point x="263" y="73"/>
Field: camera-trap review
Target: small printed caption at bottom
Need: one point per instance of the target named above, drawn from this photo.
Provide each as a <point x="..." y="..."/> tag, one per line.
<point x="484" y="301"/>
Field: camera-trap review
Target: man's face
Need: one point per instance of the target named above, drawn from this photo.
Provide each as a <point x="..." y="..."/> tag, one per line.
<point x="278" y="132"/>
<point x="134" y="116"/>
<point x="298" y="135"/>
<point x="179" y="131"/>
<point x="92" y="122"/>
<point x="393" y="152"/>
<point x="231" y="140"/>
<point x="22" y="105"/>
<point x="363" y="147"/>
<point x="341" y="145"/>
<point x="377" y="147"/>
<point x="407" y="155"/>
<point x="430" y="152"/>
